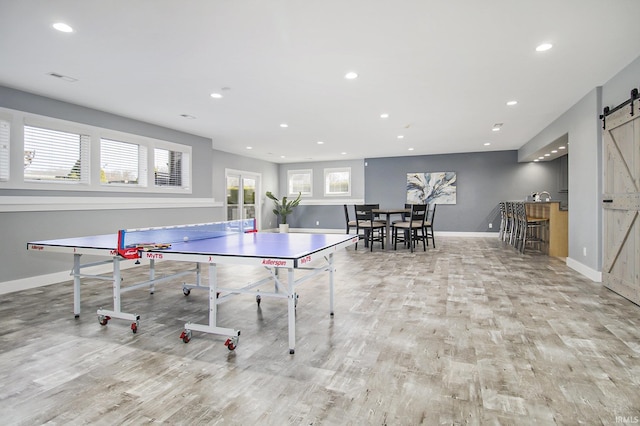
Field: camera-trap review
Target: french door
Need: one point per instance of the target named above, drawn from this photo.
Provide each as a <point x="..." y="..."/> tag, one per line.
<point x="243" y="195"/>
<point x="621" y="202"/>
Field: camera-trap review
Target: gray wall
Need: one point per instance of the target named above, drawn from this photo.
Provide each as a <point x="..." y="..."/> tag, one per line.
<point x="584" y="128"/>
<point x="269" y="177"/>
<point x="201" y="147"/>
<point x="483" y="179"/>
<point x="19" y="227"/>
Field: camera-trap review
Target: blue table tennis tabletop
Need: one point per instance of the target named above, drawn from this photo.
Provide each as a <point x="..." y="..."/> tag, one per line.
<point x="255" y="244"/>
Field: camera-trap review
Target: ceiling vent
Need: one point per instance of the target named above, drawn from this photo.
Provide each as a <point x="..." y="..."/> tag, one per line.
<point x="63" y="77"/>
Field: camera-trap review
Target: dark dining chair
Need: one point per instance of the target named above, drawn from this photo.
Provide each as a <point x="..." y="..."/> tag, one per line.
<point x="428" y="225"/>
<point x="404" y="218"/>
<point x="368" y="228"/>
<point x="350" y="223"/>
<point x="413" y="229"/>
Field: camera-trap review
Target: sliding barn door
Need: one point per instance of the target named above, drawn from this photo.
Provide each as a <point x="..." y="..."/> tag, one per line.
<point x="621" y="202"/>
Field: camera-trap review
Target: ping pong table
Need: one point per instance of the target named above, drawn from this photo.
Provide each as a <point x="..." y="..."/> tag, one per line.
<point x="234" y="243"/>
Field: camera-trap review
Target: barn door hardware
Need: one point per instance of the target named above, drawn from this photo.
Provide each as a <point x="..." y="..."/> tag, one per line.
<point x="606" y="111"/>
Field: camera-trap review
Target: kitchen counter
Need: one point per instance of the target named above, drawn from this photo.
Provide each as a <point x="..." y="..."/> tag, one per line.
<point x="557" y="233"/>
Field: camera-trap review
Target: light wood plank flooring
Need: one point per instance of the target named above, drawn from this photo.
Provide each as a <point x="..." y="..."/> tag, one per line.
<point x="468" y="333"/>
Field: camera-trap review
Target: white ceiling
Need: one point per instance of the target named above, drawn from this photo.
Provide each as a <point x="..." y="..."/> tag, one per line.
<point x="442" y="70"/>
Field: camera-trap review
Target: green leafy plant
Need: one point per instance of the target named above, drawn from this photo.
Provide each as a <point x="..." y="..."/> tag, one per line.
<point x="284" y="207"/>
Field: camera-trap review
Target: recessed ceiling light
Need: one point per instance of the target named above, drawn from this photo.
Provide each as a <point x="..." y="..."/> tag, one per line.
<point x="283" y="125"/>
<point x="351" y="75"/>
<point x="190" y="117"/>
<point x="487" y="143"/>
<point x="547" y="155"/>
<point x="216" y="96"/>
<point x="543" y="47"/>
<point x="512" y="103"/>
<point x="400" y="136"/>
<point x="320" y="143"/>
<point x="249" y="147"/>
<point x="561" y="147"/>
<point x="554" y="151"/>
<point x="282" y="156"/>
<point x="384" y="115"/>
<point x="536" y="160"/>
<point x="62" y="27"/>
<point x="343" y="153"/>
<point x="496" y="127"/>
<point x="410" y="149"/>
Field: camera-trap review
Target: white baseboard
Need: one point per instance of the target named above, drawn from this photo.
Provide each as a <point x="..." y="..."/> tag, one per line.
<point x="437" y="234"/>
<point x="60" y="277"/>
<point x="466" y="234"/>
<point x="592" y="274"/>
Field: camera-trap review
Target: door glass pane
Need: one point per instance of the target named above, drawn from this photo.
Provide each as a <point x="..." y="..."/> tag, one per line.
<point x="233" y="183"/>
<point x="249" y="192"/>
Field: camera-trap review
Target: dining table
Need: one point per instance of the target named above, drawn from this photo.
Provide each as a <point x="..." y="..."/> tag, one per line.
<point x="388" y="213"/>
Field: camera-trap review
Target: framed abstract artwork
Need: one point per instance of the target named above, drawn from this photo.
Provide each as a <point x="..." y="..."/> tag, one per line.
<point x="431" y="188"/>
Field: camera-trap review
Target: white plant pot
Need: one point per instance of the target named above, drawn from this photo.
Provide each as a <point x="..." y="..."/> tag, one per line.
<point x="284" y="228"/>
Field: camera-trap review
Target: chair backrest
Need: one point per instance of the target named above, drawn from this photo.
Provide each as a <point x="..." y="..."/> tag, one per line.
<point x="373" y="206"/>
<point x="363" y="212"/>
<point x="419" y="213"/>
<point x="432" y="215"/>
<point x="346" y="213"/>
<point x="405" y="216"/>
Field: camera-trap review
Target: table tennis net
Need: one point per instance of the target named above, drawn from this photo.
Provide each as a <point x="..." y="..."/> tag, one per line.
<point x="130" y="241"/>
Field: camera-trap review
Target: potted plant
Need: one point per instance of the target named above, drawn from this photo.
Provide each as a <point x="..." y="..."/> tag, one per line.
<point x="283" y="208"/>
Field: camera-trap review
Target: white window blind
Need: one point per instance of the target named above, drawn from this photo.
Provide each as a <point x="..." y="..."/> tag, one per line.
<point x="171" y="168"/>
<point x="119" y="162"/>
<point x="56" y="156"/>
<point x="5" y="130"/>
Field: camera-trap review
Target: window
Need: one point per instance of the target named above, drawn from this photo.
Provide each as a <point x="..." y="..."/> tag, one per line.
<point x="120" y="163"/>
<point x="337" y="181"/>
<point x="4" y="150"/>
<point x="62" y="155"/>
<point x="300" y="181"/>
<point x="171" y="168"/>
<point x="55" y="156"/>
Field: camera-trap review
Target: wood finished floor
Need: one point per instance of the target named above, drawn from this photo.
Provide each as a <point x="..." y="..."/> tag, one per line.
<point x="468" y="333"/>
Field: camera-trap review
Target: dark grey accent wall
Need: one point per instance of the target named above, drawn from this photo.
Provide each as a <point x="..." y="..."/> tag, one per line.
<point x="483" y="180"/>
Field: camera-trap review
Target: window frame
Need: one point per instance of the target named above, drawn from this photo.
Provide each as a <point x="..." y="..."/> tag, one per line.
<point x="291" y="191"/>
<point x="16" y="180"/>
<point x="84" y="154"/>
<point x="141" y="164"/>
<point x="5" y="150"/>
<point x="328" y="172"/>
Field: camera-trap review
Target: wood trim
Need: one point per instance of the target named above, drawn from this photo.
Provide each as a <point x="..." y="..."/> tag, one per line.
<point x="558" y="232"/>
<point x="30" y="204"/>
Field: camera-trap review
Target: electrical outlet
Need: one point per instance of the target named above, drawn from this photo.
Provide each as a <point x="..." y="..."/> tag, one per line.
<point x="490" y="225"/>
<point x="317" y="222"/>
<point x="584" y="251"/>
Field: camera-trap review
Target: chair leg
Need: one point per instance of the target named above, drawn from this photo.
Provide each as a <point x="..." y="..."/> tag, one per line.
<point x="395" y="238"/>
<point x="411" y="240"/>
